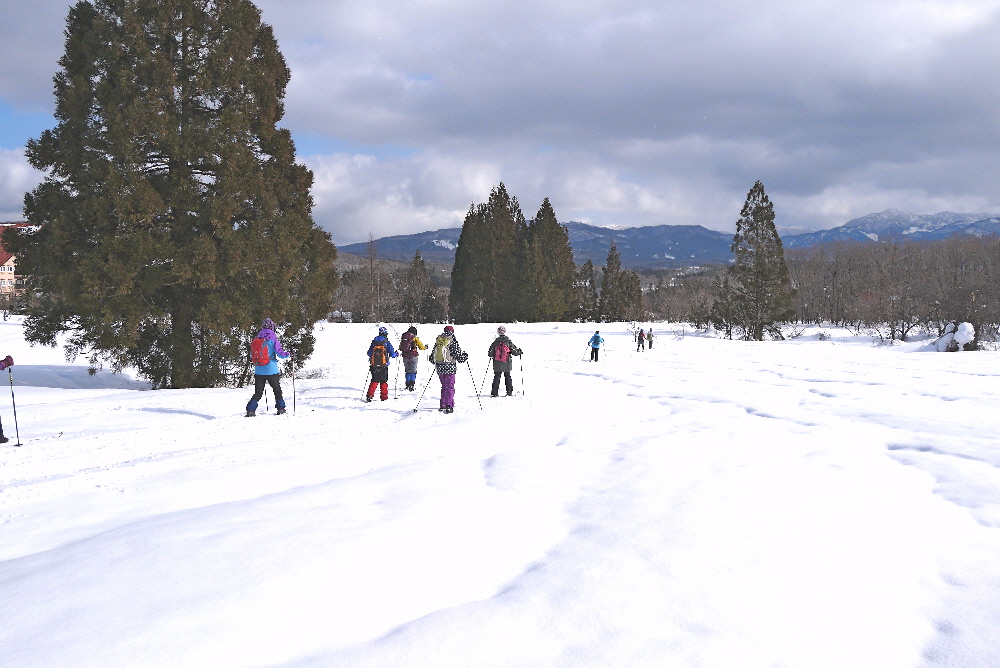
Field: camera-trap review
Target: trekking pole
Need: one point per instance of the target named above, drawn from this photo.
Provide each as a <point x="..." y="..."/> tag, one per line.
<point x="267" y="406"/>
<point x="395" y="384"/>
<point x="429" y="379"/>
<point x="483" y="384"/>
<point x="364" y="388"/>
<point x="521" y="361"/>
<point x="293" y="386"/>
<point x="473" y="379"/>
<point x="17" y="432"/>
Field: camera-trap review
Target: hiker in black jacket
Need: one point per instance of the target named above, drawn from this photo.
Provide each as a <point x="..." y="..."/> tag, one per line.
<point x="501" y="350"/>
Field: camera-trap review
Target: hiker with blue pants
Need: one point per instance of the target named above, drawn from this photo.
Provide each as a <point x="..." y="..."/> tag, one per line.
<point x="266" y="350"/>
<point x="501" y="350"/>
<point x="595" y="346"/>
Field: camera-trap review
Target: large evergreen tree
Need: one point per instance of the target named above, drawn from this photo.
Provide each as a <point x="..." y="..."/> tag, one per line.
<point x="549" y="271"/>
<point x="621" y="290"/>
<point x="487" y="275"/>
<point x="758" y="292"/>
<point x="173" y="214"/>
<point x="585" y="290"/>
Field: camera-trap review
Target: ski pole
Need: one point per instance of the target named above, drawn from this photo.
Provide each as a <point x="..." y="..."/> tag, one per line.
<point x="395" y="384"/>
<point x="483" y="384"/>
<point x="267" y="406"/>
<point x="364" y="388"/>
<point x="473" y="379"/>
<point x="521" y="361"/>
<point x="293" y="386"/>
<point x="429" y="379"/>
<point x="17" y="432"/>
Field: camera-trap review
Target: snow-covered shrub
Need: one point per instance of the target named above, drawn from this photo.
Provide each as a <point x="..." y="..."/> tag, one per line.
<point x="956" y="337"/>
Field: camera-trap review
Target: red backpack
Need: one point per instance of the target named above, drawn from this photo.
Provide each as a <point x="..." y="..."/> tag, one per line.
<point x="501" y="353"/>
<point x="258" y="352"/>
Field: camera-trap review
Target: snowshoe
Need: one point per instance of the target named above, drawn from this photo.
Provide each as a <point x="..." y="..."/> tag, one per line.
<point x="281" y="411"/>
<point x="251" y="414"/>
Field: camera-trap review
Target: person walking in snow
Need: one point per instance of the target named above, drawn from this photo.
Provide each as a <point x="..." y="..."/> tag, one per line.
<point x="501" y="350"/>
<point x="649" y="338"/>
<point x="265" y="351"/>
<point x="379" y="353"/>
<point x="595" y="346"/>
<point x="410" y="347"/>
<point x="446" y="356"/>
<point x="5" y="363"/>
<point x="642" y="341"/>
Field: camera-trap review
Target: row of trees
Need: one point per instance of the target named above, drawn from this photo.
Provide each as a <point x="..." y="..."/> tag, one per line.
<point x="375" y="292"/>
<point x="509" y="269"/>
<point x="895" y="289"/>
<point x="891" y="289"/>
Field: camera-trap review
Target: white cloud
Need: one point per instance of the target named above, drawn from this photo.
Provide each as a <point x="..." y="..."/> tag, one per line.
<point x="16" y="178"/>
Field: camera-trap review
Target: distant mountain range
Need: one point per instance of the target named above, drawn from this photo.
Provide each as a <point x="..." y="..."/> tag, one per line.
<point x="895" y="225"/>
<point x="640" y="247"/>
<point x="675" y="246"/>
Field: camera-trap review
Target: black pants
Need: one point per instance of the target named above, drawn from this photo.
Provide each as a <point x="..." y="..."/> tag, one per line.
<point x="593" y="354"/>
<point x="507" y="381"/>
<point x="258" y="391"/>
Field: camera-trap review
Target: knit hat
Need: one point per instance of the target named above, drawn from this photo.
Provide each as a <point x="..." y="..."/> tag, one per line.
<point x="449" y="329"/>
<point x="382" y="331"/>
<point x="501" y="330"/>
<point x="412" y="330"/>
<point x="268" y="324"/>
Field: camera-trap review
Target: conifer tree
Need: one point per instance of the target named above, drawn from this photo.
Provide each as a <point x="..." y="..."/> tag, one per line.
<point x="759" y="288"/>
<point x="621" y="290"/>
<point x="610" y="304"/>
<point x="487" y="276"/>
<point x="586" y="293"/>
<point x="173" y="214"/>
<point x="549" y="271"/>
<point x="416" y="286"/>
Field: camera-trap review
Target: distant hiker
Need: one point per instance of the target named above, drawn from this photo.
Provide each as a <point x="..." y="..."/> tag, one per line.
<point x="265" y="351"/>
<point x="410" y="347"/>
<point x="642" y="341"/>
<point x="379" y="353"/>
<point x="501" y="350"/>
<point x="6" y="363"/>
<point x="649" y="338"/>
<point x="446" y="355"/>
<point x="595" y="346"/>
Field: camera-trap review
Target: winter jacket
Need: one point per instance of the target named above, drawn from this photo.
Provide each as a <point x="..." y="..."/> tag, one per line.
<point x="274" y="352"/>
<point x="445" y="368"/>
<point x="514" y="350"/>
<point x="388" y="347"/>
<point x="410" y="346"/>
<point x="596" y="341"/>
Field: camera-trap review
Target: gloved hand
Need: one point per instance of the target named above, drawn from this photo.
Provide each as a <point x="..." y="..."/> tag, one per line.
<point x="6" y="362"/>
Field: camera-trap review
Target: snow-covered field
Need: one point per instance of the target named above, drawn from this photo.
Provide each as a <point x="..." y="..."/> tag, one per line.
<point x="707" y="503"/>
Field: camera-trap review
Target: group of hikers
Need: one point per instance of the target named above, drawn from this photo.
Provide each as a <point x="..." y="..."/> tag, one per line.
<point x="446" y="355"/>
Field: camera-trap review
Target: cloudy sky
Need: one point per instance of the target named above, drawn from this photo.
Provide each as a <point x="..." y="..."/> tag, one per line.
<point x="621" y="112"/>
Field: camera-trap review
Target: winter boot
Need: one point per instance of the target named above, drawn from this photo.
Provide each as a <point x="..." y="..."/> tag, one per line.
<point x="3" y="439"/>
<point x="281" y="411"/>
<point x="251" y="414"/>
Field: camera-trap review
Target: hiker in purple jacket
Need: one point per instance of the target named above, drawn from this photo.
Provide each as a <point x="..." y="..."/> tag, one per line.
<point x="501" y="350"/>
<point x="265" y="355"/>
<point x="446" y="355"/>
<point x="6" y="363"/>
